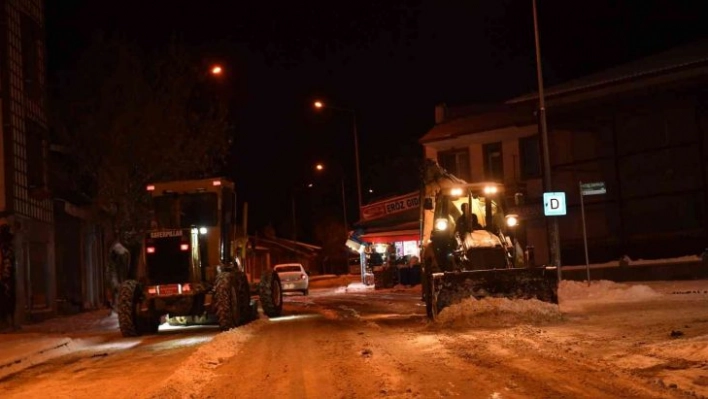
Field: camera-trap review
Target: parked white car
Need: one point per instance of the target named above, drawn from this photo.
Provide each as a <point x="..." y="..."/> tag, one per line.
<point x="293" y="277"/>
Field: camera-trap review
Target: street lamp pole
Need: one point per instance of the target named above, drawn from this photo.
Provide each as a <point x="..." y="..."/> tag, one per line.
<point x="358" y="169"/>
<point x="344" y="207"/>
<point x="319" y="105"/>
<point x="320" y="167"/>
<point x="294" y="224"/>
<point x="554" y="238"/>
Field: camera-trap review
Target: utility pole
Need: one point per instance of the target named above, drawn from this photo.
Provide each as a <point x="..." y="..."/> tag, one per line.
<point x="294" y="227"/>
<point x="358" y="168"/>
<point x="553" y="235"/>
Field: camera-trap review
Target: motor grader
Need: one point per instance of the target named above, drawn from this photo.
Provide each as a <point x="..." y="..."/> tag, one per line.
<point x="479" y="261"/>
<point x="189" y="270"/>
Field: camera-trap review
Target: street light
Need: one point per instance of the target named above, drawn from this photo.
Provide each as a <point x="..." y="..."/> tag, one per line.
<point x="320" y="105"/>
<point x="216" y="70"/>
<point x="554" y="237"/>
<point x="320" y="167"/>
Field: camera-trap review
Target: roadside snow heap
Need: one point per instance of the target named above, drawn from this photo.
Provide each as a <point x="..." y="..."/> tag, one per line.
<point x="504" y="312"/>
<point x="498" y="312"/>
<point x="604" y="290"/>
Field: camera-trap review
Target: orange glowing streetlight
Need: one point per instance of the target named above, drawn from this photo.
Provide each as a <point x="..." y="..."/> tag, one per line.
<point x="320" y="105"/>
<point x="217" y="70"/>
<point x="320" y="167"/>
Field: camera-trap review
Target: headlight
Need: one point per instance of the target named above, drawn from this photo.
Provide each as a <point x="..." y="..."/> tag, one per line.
<point x="490" y="189"/>
<point x="512" y="220"/>
<point x="202" y="230"/>
<point x="441" y="224"/>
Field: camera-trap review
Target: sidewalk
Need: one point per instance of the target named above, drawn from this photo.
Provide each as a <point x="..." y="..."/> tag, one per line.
<point x="33" y="344"/>
<point x="19" y="351"/>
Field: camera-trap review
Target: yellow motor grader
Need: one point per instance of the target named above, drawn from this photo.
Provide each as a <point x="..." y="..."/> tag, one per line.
<point x="189" y="270"/>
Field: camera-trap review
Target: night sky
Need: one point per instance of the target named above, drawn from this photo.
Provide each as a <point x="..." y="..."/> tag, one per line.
<point x="391" y="61"/>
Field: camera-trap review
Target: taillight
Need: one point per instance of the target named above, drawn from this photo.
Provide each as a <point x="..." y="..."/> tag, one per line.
<point x="303" y="276"/>
<point x="151" y="250"/>
<point x="184" y="247"/>
<point x="186" y="288"/>
<point x="152" y="290"/>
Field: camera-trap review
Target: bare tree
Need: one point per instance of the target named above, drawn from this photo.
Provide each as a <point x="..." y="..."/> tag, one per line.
<point x="131" y="116"/>
<point x="331" y="235"/>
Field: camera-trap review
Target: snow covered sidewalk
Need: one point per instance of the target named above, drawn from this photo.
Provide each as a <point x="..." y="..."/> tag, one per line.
<point x="20" y="350"/>
<point x="37" y="343"/>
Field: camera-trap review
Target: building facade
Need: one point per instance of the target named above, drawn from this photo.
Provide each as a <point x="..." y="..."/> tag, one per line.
<point x="639" y="128"/>
<point x="25" y="204"/>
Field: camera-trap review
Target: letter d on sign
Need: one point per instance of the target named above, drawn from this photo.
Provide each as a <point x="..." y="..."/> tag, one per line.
<point x="554" y="204"/>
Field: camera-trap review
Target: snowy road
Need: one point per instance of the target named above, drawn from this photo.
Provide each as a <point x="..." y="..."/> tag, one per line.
<point x="609" y="340"/>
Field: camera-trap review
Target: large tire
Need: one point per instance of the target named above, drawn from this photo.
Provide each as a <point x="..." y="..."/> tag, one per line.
<point x="270" y="293"/>
<point x="244" y="295"/>
<point x="429" y="267"/>
<point x="129" y="296"/>
<point x="227" y="300"/>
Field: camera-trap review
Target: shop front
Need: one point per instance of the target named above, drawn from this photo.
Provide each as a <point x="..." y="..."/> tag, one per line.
<point x="388" y="241"/>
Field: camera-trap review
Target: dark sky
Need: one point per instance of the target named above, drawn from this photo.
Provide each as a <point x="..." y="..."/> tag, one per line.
<point x="391" y="61"/>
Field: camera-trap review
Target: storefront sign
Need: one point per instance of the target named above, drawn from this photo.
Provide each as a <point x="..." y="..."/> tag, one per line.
<point x="390" y="206"/>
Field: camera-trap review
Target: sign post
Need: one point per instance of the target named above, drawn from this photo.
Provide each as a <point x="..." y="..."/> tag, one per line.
<point x="588" y="189"/>
<point x="554" y="205"/>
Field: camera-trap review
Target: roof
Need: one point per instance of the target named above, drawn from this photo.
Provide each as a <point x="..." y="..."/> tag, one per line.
<point x="287" y="244"/>
<point x="482" y="119"/>
<point x="677" y="59"/>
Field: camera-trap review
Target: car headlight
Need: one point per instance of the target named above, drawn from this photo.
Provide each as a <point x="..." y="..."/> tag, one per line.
<point x="202" y="230"/>
<point x="441" y="224"/>
<point x="512" y="220"/>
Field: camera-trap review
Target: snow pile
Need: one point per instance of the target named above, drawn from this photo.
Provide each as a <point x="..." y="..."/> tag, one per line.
<point x="504" y="312"/>
<point x="331" y="281"/>
<point x="498" y="312"/>
<point x="354" y="287"/>
<point x="681" y="259"/>
<point x="604" y="291"/>
<point x="197" y="371"/>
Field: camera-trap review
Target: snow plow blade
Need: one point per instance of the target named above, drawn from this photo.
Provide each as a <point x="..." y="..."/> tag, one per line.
<point x="449" y="288"/>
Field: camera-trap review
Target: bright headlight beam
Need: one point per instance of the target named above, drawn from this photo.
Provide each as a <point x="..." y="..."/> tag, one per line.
<point x="456" y="192"/>
<point x="441" y="224"/>
<point x="490" y="189"/>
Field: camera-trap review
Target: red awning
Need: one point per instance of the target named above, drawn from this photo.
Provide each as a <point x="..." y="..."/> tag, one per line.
<point x="391" y="236"/>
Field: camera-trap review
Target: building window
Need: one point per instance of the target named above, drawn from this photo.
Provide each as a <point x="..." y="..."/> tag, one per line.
<point x="31" y="42"/>
<point x="493" y="161"/>
<point x="36" y="136"/>
<point x="530" y="157"/>
<point x="456" y="162"/>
